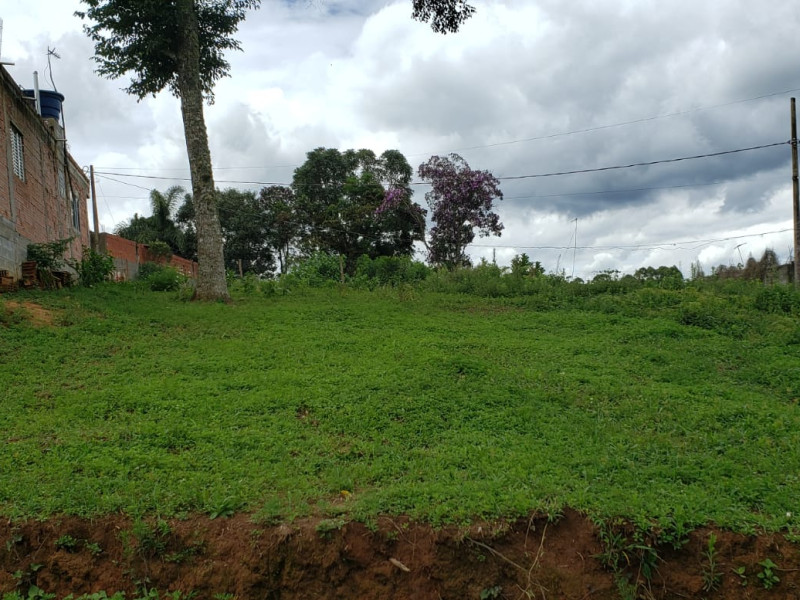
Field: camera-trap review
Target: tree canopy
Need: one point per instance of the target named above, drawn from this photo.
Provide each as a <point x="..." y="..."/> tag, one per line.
<point x="339" y="196"/>
<point x="444" y="16"/>
<point x="461" y="200"/>
<point x="141" y="37"/>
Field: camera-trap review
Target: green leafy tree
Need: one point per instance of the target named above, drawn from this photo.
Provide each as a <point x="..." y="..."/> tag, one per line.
<point x="340" y="204"/>
<point x="462" y="201"/>
<point x="281" y="221"/>
<point x="179" y="45"/>
<point x="244" y="227"/>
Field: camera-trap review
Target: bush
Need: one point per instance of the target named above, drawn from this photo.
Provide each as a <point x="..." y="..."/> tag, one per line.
<point x="778" y="299"/>
<point x="93" y="268"/>
<point x="390" y="270"/>
<point x="318" y="270"/>
<point x="147" y="269"/>
<point x="49" y="256"/>
<point x="167" y="280"/>
<point x="161" y="278"/>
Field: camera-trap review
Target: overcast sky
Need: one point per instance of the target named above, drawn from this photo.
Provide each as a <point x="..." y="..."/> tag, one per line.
<point x="525" y="88"/>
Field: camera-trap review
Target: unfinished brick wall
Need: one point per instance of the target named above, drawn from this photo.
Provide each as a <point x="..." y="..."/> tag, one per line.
<point x="37" y="206"/>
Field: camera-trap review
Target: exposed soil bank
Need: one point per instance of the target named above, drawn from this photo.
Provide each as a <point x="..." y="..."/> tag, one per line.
<point x="398" y="560"/>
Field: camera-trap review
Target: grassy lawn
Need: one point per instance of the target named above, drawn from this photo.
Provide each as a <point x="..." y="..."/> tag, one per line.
<point x="441" y="406"/>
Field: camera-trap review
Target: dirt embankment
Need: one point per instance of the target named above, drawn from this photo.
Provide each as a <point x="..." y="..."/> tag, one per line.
<point x="568" y="557"/>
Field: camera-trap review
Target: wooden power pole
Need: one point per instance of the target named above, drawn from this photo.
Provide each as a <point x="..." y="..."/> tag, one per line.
<point x="795" y="198"/>
<point x="95" y="238"/>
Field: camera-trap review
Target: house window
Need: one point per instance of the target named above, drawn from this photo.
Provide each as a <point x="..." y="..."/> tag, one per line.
<point x="76" y="211"/>
<point x="62" y="184"/>
<point x="17" y="153"/>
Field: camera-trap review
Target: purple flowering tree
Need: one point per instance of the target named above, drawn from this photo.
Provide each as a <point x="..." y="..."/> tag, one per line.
<point x="461" y="201"/>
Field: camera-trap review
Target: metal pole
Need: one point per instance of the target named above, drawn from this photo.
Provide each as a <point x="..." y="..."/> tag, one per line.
<point x="795" y="198"/>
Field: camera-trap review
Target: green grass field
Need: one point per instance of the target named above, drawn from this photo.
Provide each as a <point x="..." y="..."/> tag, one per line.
<point x="655" y="406"/>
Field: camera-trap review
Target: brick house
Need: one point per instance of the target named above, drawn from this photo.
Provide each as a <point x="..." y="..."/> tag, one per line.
<point x="43" y="191"/>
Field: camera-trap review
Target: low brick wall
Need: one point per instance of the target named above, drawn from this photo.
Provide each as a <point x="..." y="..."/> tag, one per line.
<point x="128" y="255"/>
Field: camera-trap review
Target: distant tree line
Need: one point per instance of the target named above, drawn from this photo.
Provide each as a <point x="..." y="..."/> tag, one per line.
<point x="351" y="204"/>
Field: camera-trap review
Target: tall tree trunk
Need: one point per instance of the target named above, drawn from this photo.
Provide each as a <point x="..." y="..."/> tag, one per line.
<point x="211" y="283"/>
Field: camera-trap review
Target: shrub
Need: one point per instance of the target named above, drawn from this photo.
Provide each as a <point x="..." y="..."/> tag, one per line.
<point x="160" y="251"/>
<point x="49" y="256"/>
<point x="390" y="270"/>
<point x="94" y="267"/>
<point x="167" y="279"/>
<point x="777" y="299"/>
<point x="147" y="269"/>
<point x="317" y="270"/>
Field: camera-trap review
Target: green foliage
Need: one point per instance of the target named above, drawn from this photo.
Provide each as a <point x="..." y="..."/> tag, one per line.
<point x="768" y="577"/>
<point x="712" y="578"/>
<point x="67" y="542"/>
<point x="339" y="203"/>
<point x="491" y="593"/>
<point x="160" y="251"/>
<point x="147" y="269"/>
<point x="389" y="270"/>
<point x="163" y="235"/>
<point x="93" y="548"/>
<point x="166" y="279"/>
<point x="447" y="408"/>
<point x="94" y="267"/>
<point x="49" y="256"/>
<point x="249" y="283"/>
<point x="327" y="526"/>
<point x="779" y="299"/>
<point x="33" y="593"/>
<point x="317" y="270"/>
<point x="147" y="538"/>
<point x="225" y="507"/>
<point x="521" y="266"/>
<point x="146" y="39"/>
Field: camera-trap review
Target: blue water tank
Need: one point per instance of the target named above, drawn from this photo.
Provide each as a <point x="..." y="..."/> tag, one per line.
<point x="51" y="102"/>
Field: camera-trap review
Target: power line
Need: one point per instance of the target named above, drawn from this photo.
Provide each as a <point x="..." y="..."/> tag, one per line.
<point x="654" y="246"/>
<point x="184" y="169"/>
<point x="505" y="178"/>
<point x="643" y="164"/>
<point x="158" y="177"/>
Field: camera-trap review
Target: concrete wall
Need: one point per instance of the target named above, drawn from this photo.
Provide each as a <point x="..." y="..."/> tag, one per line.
<point x="36" y="208"/>
<point x="13" y="248"/>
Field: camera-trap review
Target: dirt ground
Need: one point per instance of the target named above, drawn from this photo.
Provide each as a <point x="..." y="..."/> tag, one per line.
<point x="395" y="559"/>
<point x="38" y="315"/>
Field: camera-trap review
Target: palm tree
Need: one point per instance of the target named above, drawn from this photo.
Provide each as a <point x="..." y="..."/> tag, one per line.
<point x="160" y="226"/>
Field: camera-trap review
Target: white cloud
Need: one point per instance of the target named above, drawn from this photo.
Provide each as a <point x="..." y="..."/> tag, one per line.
<point x="362" y="73"/>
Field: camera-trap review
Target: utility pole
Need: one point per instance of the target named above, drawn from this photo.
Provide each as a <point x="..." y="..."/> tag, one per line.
<point x="574" y="248"/>
<point x="96" y="236"/>
<point x="795" y="198"/>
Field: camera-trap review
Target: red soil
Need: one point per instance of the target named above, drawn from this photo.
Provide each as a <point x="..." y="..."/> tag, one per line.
<point x="397" y="560"/>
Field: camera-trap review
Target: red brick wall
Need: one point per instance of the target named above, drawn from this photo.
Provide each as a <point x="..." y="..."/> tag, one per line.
<point x="35" y="205"/>
<point x="129" y="255"/>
